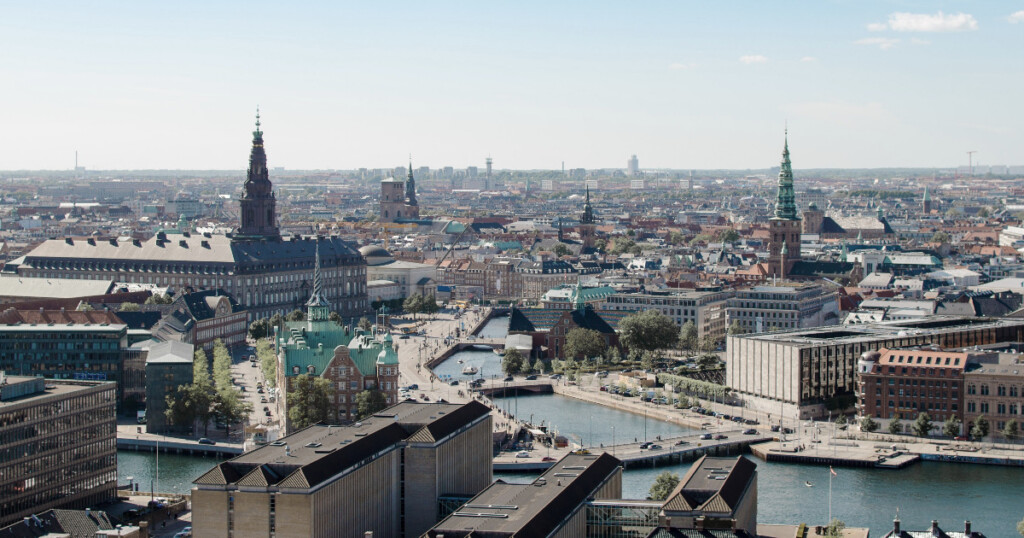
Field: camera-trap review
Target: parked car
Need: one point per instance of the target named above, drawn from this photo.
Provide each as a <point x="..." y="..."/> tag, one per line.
<point x="454" y="382"/>
<point x="775" y="427"/>
<point x="705" y="436"/>
<point x="645" y="445"/>
<point x="654" y="447"/>
<point x="750" y="431"/>
<point x="681" y="442"/>
<point x="205" y="441"/>
<point x="510" y="378"/>
<point x="414" y="386"/>
<point x="523" y="454"/>
<point x="531" y="378"/>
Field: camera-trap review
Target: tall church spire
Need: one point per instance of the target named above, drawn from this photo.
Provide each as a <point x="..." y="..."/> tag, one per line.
<point x="588" y="210"/>
<point x="785" y="202"/>
<point x="410" y="186"/>
<point x="258" y="206"/>
<point x="317" y="306"/>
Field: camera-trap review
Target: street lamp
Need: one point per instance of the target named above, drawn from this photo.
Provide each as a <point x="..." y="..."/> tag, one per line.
<point x="613" y="440"/>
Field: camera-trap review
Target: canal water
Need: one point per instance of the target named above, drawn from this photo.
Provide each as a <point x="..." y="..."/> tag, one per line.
<point x="991" y="497"/>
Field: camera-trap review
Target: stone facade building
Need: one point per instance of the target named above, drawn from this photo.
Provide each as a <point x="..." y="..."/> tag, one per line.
<point x="901" y="383"/>
<point x="706" y="309"/>
<point x="780" y="308"/>
<point x="266" y="274"/>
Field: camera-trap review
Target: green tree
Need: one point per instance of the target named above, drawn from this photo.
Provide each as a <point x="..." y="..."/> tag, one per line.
<point x="676" y="238"/>
<point x="922" y="424"/>
<point x="940" y="237"/>
<point x="365" y="325"/>
<point x="159" y="298"/>
<point x="736" y="328"/>
<point x="221" y="366"/>
<point x="984" y="213"/>
<point x="648" y="360"/>
<point x="259" y="329"/>
<point x="84" y="307"/>
<point x="980" y="428"/>
<point x="231" y="408"/>
<point x="296" y="315"/>
<point x="585" y="342"/>
<point x="310" y="401"/>
<point x="648" y="330"/>
<point x="688" y="338"/>
<point x="835" y="529"/>
<point x="561" y="250"/>
<point x="868" y="424"/>
<point x="613" y="355"/>
<point x="512" y="363"/>
<point x="369" y="402"/>
<point x="728" y="236"/>
<point x="1020" y="527"/>
<point x="841" y="422"/>
<point x="268" y="362"/>
<point x="951" y="426"/>
<point x="601" y="245"/>
<point x="708" y="362"/>
<point x="335" y="317"/>
<point x="663" y="486"/>
<point x="180" y="408"/>
<point x="895" y="426"/>
<point x="129" y="307"/>
<point x="1011" y="430"/>
<point x="275" y="321"/>
<point x="708" y="343"/>
<point x="622" y="245"/>
<point x="413" y="304"/>
<point x="430" y="304"/>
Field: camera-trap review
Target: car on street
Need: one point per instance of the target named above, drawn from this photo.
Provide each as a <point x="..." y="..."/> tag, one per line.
<point x="721" y="436"/>
<point x="205" y="441"/>
<point x="267" y="412"/>
<point x="454" y="382"/>
<point x="253" y="364"/>
<point x="547" y="458"/>
<point x="654" y="447"/>
<point x="750" y="431"/>
<point x="523" y="454"/>
<point x="775" y="427"/>
<point x="581" y="452"/>
<point x="263" y="399"/>
<point x="414" y="386"/>
<point x="645" y="445"/>
<point x="259" y="390"/>
<point x="681" y="442"/>
<point x="531" y="378"/>
<point x="510" y="378"/>
<point x="705" y="436"/>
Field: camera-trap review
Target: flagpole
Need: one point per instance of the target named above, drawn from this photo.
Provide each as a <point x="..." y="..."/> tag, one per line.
<point x="830" y="495"/>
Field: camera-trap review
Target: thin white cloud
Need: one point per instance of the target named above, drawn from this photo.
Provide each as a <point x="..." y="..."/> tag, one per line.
<point x="677" y="66"/>
<point x="918" y="41"/>
<point x="1016" y="17"/>
<point x="808" y="59"/>
<point x="927" y="22"/>
<point x="753" y="59"/>
<point x="883" y="43"/>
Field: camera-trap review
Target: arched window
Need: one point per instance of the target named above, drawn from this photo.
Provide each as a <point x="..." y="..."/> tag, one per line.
<point x="984" y="390"/>
<point x="311" y="370"/>
<point x="295" y="370"/>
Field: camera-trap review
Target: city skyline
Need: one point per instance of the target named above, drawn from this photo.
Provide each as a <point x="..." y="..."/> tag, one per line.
<point x="688" y="86"/>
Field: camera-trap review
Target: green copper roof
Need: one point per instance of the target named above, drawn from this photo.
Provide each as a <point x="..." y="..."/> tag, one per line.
<point x="785" y="203"/>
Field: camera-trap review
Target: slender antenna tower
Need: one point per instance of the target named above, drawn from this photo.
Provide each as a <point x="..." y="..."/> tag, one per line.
<point x="970" y="162"/>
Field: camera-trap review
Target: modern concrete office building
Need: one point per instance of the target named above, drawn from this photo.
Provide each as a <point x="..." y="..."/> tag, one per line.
<point x="168" y="366"/>
<point x="795" y="373"/>
<point x="781" y="308"/>
<point x="552" y="505"/>
<point x="58" y="445"/>
<point x="706" y="309"/>
<point x="386" y="475"/>
<point x="716" y="494"/>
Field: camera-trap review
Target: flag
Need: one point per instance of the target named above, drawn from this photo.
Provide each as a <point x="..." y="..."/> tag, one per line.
<point x="831" y="470"/>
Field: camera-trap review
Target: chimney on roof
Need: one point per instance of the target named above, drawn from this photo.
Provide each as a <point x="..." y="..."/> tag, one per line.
<point x="896" y="527"/>
<point x="967" y="527"/>
<point x="935" y="527"/>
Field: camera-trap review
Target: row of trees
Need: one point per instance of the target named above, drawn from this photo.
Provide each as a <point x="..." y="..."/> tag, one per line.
<point x="922" y="427"/>
<point x="417" y="303"/>
<point x="208" y="397"/>
<point x="264" y="328"/>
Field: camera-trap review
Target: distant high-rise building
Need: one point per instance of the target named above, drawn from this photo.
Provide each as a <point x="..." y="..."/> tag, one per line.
<point x="636" y="184"/>
<point x="784" y="249"/>
<point x="471" y="172"/>
<point x="488" y="181"/>
<point x="633" y="166"/>
<point x="926" y="202"/>
<point x="690" y="181"/>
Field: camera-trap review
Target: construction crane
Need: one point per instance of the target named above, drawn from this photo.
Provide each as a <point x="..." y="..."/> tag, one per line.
<point x="970" y="162"/>
<point x="456" y="242"/>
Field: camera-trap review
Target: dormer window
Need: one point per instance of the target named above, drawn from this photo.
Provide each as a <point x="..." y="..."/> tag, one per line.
<point x="311" y="370"/>
<point x="295" y="370"/>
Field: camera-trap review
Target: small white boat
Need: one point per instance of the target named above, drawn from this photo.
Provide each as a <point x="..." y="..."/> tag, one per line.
<point x="469" y="369"/>
<point x="460" y="361"/>
<point x="808" y="484"/>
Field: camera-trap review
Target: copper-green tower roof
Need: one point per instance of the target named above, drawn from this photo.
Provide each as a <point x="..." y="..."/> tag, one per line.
<point x="588" y="210"/>
<point x="785" y="202"/>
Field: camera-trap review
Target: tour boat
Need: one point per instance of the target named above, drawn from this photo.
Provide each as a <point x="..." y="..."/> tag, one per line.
<point x="469" y="369"/>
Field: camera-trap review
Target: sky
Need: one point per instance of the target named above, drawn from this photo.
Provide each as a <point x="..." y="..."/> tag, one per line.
<point x="682" y="84"/>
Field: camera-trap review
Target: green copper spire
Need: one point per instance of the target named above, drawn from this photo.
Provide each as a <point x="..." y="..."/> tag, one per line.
<point x="318" y="307"/>
<point x="588" y="210"/>
<point x="257" y="133"/>
<point x="577" y="298"/>
<point x="785" y="202"/>
<point x="927" y="198"/>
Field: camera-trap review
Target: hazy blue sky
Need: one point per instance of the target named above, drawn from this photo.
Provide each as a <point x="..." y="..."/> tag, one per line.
<point x="683" y="84"/>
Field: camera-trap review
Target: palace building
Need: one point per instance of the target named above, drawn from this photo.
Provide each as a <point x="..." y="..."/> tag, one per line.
<point x="265" y="273"/>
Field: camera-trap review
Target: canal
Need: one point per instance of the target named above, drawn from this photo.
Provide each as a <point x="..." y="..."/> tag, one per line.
<point x="988" y="496"/>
